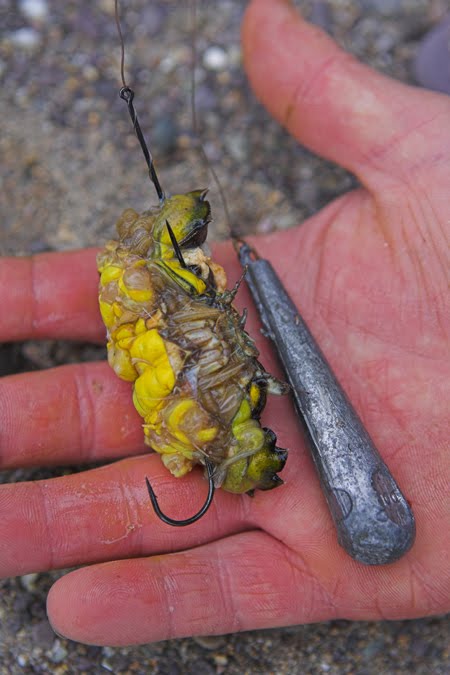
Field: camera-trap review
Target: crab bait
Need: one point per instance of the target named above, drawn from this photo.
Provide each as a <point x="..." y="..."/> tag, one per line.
<point x="174" y="333"/>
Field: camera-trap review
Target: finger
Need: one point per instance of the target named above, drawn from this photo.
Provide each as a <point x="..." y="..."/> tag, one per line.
<point x="105" y="514"/>
<point x="218" y="588"/>
<point x="336" y="106"/>
<point x="50" y="295"/>
<point x="72" y="414"/>
<point x="55" y="295"/>
<point x="247" y="581"/>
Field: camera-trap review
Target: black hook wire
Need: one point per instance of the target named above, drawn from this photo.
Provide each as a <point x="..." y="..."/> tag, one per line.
<point x="176" y="245"/>
<point x="127" y="94"/>
<point x="198" y="515"/>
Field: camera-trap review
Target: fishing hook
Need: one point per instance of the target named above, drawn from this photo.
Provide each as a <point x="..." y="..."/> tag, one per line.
<point x="198" y="515"/>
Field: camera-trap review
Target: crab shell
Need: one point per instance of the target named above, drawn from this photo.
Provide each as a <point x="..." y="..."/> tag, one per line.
<point x="174" y="333"/>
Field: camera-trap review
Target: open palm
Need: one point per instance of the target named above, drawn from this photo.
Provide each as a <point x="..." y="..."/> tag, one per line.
<point x="369" y="274"/>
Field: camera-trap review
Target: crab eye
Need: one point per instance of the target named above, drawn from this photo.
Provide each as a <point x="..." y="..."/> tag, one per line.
<point x="197" y="234"/>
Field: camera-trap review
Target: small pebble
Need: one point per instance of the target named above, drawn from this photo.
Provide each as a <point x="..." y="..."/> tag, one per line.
<point x="210" y="642"/>
<point x="43" y="634"/>
<point x="174" y="58"/>
<point x="27" y="39"/>
<point x="373" y="648"/>
<point x="321" y="15"/>
<point x="57" y="653"/>
<point x="215" y="58"/>
<point x="220" y="660"/>
<point x="385" y="42"/>
<point x="28" y="581"/>
<point x="90" y="73"/>
<point x="237" y="146"/>
<point x="34" y="10"/>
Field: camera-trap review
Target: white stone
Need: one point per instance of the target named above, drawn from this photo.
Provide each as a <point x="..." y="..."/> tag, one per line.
<point x="57" y="653"/>
<point x="28" y="581"/>
<point x="34" y="10"/>
<point x="215" y="58"/>
<point x="25" y="38"/>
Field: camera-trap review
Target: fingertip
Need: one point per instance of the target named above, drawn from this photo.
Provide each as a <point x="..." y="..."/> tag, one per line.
<point x="77" y="608"/>
<point x="51" y="295"/>
<point x="57" y="614"/>
<point x="116" y="603"/>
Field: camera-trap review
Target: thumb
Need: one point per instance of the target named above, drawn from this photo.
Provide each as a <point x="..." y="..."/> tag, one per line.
<point x="336" y="106"/>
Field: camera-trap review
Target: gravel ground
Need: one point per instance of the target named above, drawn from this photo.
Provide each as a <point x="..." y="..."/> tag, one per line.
<point x="70" y="165"/>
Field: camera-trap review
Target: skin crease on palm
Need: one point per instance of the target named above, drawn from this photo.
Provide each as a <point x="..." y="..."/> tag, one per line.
<point x="370" y="275"/>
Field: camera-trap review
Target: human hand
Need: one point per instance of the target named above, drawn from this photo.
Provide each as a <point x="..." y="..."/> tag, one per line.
<point x="369" y="274"/>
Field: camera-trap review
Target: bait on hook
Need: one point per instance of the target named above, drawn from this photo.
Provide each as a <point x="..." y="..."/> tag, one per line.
<point x="173" y="332"/>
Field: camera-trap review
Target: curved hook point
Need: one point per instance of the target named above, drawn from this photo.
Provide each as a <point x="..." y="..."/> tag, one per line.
<point x="195" y="517"/>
